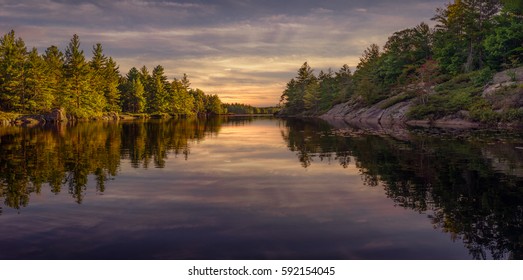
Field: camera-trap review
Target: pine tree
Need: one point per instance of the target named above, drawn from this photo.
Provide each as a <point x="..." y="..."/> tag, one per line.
<point x="79" y="99"/>
<point x="13" y="54"/>
<point x="183" y="103"/>
<point x="54" y="72"/>
<point x="137" y="97"/>
<point x="125" y="87"/>
<point x="368" y="82"/>
<point x="213" y="105"/>
<point x="159" y="92"/>
<point x="111" y="91"/>
<point x="344" y="84"/>
<point x="146" y="79"/>
<point x="460" y="33"/>
<point x="98" y="65"/>
<point x="38" y="95"/>
<point x="503" y="46"/>
<point x="198" y="101"/>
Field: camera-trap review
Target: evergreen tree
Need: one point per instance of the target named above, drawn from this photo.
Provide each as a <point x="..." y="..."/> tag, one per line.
<point x="159" y="92"/>
<point x="405" y="51"/>
<point x="54" y="72"/>
<point x="328" y="89"/>
<point x="460" y="32"/>
<point x="13" y="54"/>
<point x="105" y="78"/>
<point x="79" y="100"/>
<point x="344" y="84"/>
<point x="504" y="45"/>
<point x="126" y="89"/>
<point x="213" y="105"/>
<point x="38" y="97"/>
<point x="368" y="83"/>
<point x="98" y="64"/>
<point x="137" y="97"/>
<point x="182" y="103"/>
<point x="198" y="101"/>
<point x="111" y="90"/>
<point x="185" y="82"/>
<point x="147" y="82"/>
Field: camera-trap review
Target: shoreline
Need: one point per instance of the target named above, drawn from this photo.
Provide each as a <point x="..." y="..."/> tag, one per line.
<point x="56" y="117"/>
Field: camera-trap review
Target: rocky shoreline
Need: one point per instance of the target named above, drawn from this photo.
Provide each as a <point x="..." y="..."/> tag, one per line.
<point x="381" y="116"/>
<point x="59" y="116"/>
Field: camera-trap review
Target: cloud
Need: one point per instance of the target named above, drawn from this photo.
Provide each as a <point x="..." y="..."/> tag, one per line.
<point x="264" y="42"/>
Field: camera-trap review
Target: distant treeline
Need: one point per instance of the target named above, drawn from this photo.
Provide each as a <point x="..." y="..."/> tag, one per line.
<point x="244" y="109"/>
<point x="473" y="38"/>
<point x="31" y="83"/>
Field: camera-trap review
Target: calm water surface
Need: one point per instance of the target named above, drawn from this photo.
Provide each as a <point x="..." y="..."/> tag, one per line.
<point x="256" y="188"/>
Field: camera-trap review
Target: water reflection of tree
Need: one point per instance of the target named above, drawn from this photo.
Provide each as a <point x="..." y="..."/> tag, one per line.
<point x="70" y="155"/>
<point x="313" y="139"/>
<point x="453" y="181"/>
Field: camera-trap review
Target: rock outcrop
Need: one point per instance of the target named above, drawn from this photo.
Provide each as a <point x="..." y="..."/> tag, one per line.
<point x="389" y="114"/>
<point x="375" y="116"/>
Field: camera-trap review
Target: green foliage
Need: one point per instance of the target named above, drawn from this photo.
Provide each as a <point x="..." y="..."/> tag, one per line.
<point x="512" y="75"/>
<point x="482" y="77"/>
<point x="80" y="98"/>
<point x="397" y="99"/>
<point x="307" y="94"/>
<point x="460" y="34"/>
<point x="376" y="75"/>
<point x="30" y="83"/>
<point x="441" y="105"/>
<point x="513" y="6"/>
<point x="301" y="93"/>
<point x="405" y="51"/>
<point x="368" y="84"/>
<point x="512" y="114"/>
<point x="460" y="93"/>
<point x="482" y="111"/>
<point x="37" y="97"/>
<point x="503" y="45"/>
<point x="213" y="105"/>
<point x="245" y="109"/>
<point x="13" y="54"/>
<point x="157" y="97"/>
<point x="182" y="103"/>
<point x="54" y="64"/>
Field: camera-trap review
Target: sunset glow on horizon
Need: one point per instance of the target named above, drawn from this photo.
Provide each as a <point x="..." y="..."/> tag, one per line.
<point x="244" y="51"/>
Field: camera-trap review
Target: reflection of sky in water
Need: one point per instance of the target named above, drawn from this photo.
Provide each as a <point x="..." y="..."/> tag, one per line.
<point x="240" y="195"/>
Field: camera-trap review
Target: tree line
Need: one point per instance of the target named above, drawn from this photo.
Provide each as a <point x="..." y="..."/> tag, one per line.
<point x="245" y="109"/>
<point x="469" y="36"/>
<point x="31" y="83"/>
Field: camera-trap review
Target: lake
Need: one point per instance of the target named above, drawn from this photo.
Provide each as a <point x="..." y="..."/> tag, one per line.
<point x="257" y="188"/>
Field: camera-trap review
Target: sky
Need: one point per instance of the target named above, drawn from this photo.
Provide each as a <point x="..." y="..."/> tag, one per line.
<point x="243" y="50"/>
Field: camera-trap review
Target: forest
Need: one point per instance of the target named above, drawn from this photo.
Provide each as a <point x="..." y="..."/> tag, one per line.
<point x="470" y="41"/>
<point x="246" y="109"/>
<point x="31" y="83"/>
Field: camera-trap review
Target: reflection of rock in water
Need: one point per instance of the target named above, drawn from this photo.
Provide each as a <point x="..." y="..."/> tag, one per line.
<point x="468" y="188"/>
<point x="357" y="127"/>
<point x="505" y="158"/>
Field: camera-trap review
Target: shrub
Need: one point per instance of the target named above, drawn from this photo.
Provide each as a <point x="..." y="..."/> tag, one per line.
<point x="397" y="99"/>
<point x="482" y="77"/>
<point x="482" y="111"/>
<point x="511" y="115"/>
